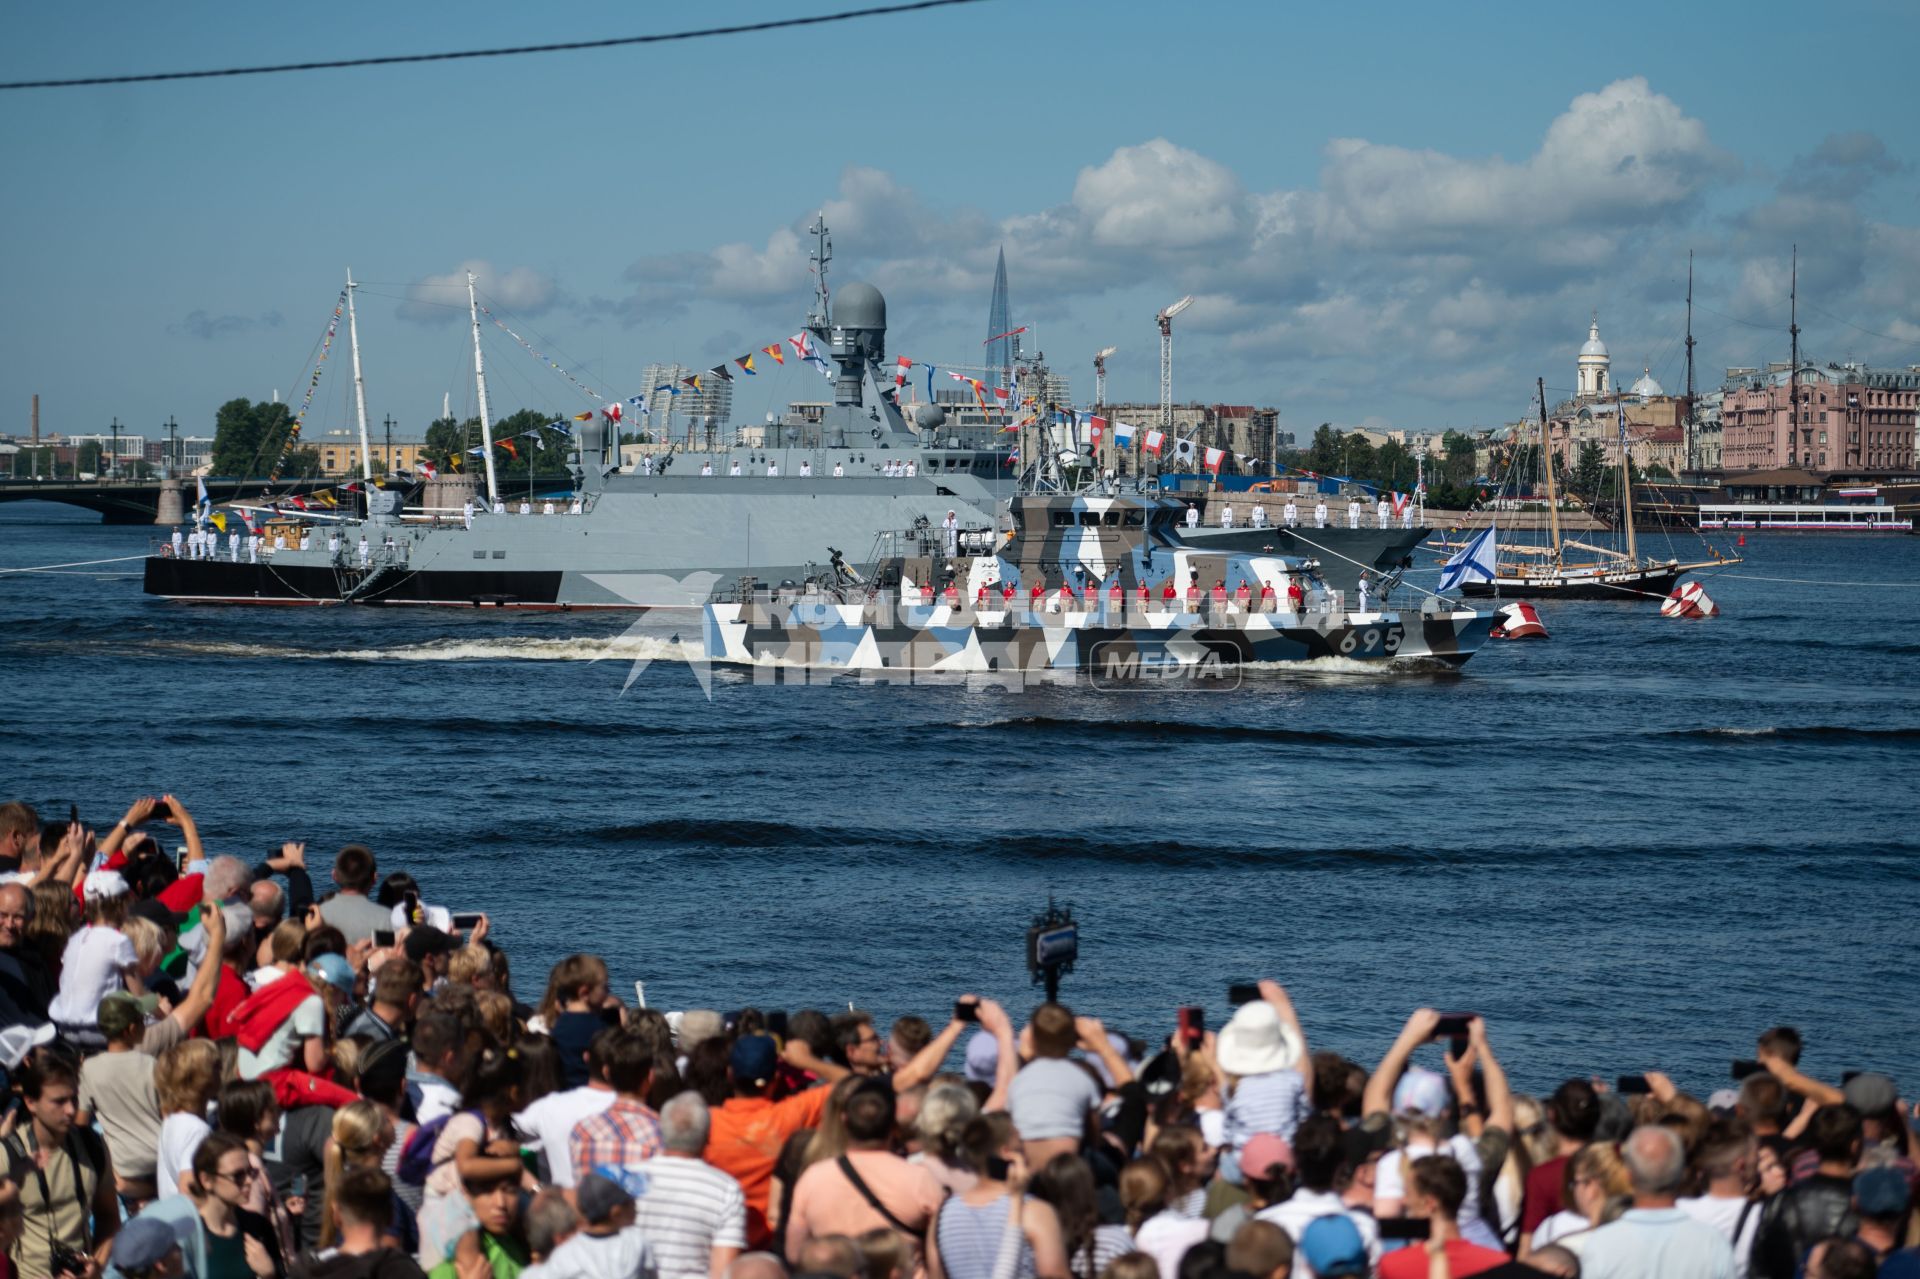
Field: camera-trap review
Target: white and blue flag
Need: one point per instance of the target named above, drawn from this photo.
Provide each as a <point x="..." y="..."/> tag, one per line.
<point x="203" y="506"/>
<point x="1473" y="562"/>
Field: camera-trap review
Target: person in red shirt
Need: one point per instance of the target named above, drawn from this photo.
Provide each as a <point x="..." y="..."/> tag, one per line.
<point x="1037" y="594"/>
<point x="1115" y="595"/>
<point x="1066" y="596"/>
<point x="1219" y="593"/>
<point x="1296" y="598"/>
<point x="1091" y="591"/>
<point x="1573" y="1112"/>
<point x="1436" y="1187"/>
<point x="749" y="1130"/>
<point x="1167" y="592"/>
<point x="953" y="595"/>
<point x="1243" y="592"/>
<point x="1266" y="597"/>
<point x="1006" y="593"/>
<point x="1193" y="592"/>
<point x="980" y="596"/>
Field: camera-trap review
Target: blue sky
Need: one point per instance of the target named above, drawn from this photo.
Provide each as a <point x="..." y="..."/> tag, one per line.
<point x="1399" y="215"/>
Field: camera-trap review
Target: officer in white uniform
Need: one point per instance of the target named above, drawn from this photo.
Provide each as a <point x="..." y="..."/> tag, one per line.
<point x="806" y="467"/>
<point x="333" y="542"/>
<point x="1353" y="513"/>
<point x="1366" y="589"/>
<point x="1406" y="514"/>
<point x="706" y="468"/>
<point x="838" y="470"/>
<point x="253" y="548"/>
<point x="1193" y="517"/>
<point x="366" y="552"/>
<point x="179" y="544"/>
<point x="1226" y="515"/>
<point x="526" y="507"/>
<point x="1320" y="513"/>
<point x="913" y="468"/>
<point x="466" y="514"/>
<point x="1259" y="517"/>
<point x="773" y="468"/>
<point x="578" y="505"/>
<point x="951" y="526"/>
<point x="499" y="506"/>
<point x="306" y="541"/>
<point x="1291" y="514"/>
<point x="736" y="467"/>
<point x="646" y="464"/>
<point x="1382" y="512"/>
<point x="547" y="509"/>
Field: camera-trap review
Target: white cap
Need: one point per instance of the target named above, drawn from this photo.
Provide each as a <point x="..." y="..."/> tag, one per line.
<point x="101" y="884"/>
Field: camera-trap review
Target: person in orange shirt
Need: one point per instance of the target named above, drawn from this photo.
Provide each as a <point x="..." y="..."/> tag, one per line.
<point x="750" y="1128"/>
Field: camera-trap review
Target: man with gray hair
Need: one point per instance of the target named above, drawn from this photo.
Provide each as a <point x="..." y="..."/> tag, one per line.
<point x="693" y="1214"/>
<point x="1655" y="1238"/>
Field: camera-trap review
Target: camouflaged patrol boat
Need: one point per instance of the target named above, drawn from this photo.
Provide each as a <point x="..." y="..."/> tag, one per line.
<point x="1105" y="583"/>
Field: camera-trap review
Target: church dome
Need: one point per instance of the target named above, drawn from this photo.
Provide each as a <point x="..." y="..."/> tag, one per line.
<point x="1646" y="387"/>
<point x="1593" y="344"/>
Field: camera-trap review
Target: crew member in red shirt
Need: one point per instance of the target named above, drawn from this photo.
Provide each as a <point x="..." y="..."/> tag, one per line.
<point x="1296" y="598"/>
<point x="1266" y="597"/>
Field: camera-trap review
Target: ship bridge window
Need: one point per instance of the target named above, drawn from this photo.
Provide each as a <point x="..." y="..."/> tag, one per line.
<point x="1111" y="519"/>
<point x="1062" y="519"/>
<point x="1135" y="519"/>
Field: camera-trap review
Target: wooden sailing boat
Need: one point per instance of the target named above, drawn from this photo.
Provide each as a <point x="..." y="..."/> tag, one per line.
<point x="1546" y="572"/>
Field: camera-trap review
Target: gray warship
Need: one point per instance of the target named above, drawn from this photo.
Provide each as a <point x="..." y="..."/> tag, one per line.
<point x="670" y="536"/>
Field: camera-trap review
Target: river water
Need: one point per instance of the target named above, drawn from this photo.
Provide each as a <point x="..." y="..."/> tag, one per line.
<point x="1630" y="847"/>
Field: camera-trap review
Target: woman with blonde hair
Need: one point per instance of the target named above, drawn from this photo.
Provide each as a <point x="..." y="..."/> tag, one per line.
<point x="98" y="960"/>
<point x="1146" y="1192"/>
<point x="187" y="1077"/>
<point x="362" y="1134"/>
<point x="1531" y="1137"/>
<point x="1600" y="1191"/>
<point x="944" y="1114"/>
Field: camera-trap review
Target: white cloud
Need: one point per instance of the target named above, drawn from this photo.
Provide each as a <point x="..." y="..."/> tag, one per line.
<point x="439" y="299"/>
<point x="1159" y="197"/>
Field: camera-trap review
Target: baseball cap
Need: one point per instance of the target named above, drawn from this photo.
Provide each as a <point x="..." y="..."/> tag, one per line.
<point x="753" y="1059"/>
<point x="142" y="1244"/>
<point x="599" y="1198"/>
<point x="1333" y="1246"/>
<point x="1723" y="1101"/>
<point x="1421" y="1092"/>
<point x="102" y="884"/>
<point x="426" y="941"/>
<point x="1265" y="1154"/>
<point x="983" y="1058"/>
<point x="335" y="971"/>
<point x="120" y="1011"/>
<point x="1880" y="1192"/>
<point x="1870" y="1093"/>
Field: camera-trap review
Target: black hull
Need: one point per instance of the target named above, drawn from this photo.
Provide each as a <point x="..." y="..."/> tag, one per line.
<point x="1618" y="587"/>
<point x="224" y="582"/>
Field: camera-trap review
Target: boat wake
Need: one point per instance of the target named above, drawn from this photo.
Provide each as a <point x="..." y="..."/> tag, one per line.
<point x="520" y="649"/>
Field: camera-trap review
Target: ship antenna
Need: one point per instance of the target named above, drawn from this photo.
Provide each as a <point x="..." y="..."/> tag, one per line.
<point x="822" y="254"/>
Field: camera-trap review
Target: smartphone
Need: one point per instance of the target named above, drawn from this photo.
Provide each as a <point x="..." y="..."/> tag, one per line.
<point x="162" y="811"/>
<point x="183" y="858"/>
<point x="1630" y="1085"/>
<point x="1453" y="1025"/>
<point x="1743" y="1067"/>
<point x="1848" y="1076"/>
<point x="966" y="1010"/>
<point x="1405" y="1227"/>
<point x="777" y="1025"/>
<point x="1242" y="992"/>
<point x="1193" y="1025"/>
<point x="997" y="1168"/>
<point x="383" y="937"/>
<point x="73" y="814"/>
<point x="639" y="991"/>
<point x="468" y="922"/>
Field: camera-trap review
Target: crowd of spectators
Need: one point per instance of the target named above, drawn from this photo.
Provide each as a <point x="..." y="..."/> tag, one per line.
<point x="214" y="1073"/>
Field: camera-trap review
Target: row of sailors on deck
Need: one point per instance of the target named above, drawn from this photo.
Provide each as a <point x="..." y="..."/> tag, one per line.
<point x="891" y="469"/>
<point x="1290" y="514"/>
<point x="1243" y="598"/>
<point x="204" y="544"/>
<point x="525" y="508"/>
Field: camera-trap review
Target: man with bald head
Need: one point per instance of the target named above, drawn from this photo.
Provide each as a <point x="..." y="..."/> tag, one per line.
<point x="1655" y="1238"/>
<point x="756" y="1265"/>
<point x="26" y="986"/>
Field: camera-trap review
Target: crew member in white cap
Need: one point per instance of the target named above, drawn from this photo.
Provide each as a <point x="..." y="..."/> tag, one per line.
<point x="1291" y="514"/>
<point x="1320" y="513"/>
<point x="1353" y="512"/>
<point x="1226" y="515"/>
<point x="1382" y="512"/>
<point x="179" y="543"/>
<point x="951" y="526"/>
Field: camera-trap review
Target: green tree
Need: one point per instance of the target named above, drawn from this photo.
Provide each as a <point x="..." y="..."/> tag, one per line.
<point x="1356" y="457"/>
<point x="248" y="438"/>
<point x="1324" y="455"/>
<point x="1393" y="466"/>
<point x="1589" y="469"/>
<point x="87" y="457"/>
<point x="1458" y="464"/>
<point x="447" y="438"/>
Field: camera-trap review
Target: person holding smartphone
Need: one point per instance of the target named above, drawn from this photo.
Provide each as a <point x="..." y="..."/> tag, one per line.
<point x="974" y="1225"/>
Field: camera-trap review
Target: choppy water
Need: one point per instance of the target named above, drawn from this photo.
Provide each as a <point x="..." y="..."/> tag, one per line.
<point x="1630" y="847"/>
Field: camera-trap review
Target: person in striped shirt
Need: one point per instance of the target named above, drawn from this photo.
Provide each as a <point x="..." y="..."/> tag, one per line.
<point x="693" y="1214"/>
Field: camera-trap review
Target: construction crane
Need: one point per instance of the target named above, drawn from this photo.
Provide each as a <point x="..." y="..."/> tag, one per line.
<point x="1165" y="320"/>
<point x="1100" y="377"/>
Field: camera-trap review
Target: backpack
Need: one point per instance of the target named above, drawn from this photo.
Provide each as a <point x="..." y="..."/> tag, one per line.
<point x="416" y="1161"/>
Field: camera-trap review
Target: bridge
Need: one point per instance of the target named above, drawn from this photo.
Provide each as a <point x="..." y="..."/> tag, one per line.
<point x="138" y="501"/>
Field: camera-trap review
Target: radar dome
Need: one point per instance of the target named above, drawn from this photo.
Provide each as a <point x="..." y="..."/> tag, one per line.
<point x="929" y="417"/>
<point x="860" y="306"/>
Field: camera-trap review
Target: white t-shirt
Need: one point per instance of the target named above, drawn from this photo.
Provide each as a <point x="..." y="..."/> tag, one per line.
<point x="686" y="1210"/>
<point x="550" y="1122"/>
<point x="1050" y="1098"/>
<point x="1559" y="1226"/>
<point x="180" y="1135"/>
<point x="1723" y="1214"/>
<point x="308" y="1019"/>
<point x="90" y="970"/>
<point x="1388" y="1183"/>
<point x="1307" y="1206"/>
<point x="1167" y="1237"/>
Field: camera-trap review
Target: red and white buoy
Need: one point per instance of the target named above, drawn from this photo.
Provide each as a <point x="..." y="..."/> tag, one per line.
<point x="1689" y="599"/>
<point x="1518" y="620"/>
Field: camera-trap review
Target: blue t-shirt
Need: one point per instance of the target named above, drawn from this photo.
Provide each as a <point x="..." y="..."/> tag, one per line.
<point x="572" y="1033"/>
<point x="1904" y="1264"/>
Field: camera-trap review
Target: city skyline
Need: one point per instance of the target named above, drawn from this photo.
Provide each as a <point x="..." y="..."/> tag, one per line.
<point x="1374" y="240"/>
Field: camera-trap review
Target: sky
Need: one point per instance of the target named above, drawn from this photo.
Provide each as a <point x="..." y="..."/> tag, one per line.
<point x="1396" y="216"/>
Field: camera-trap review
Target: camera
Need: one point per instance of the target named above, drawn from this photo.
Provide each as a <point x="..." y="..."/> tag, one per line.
<point x="62" y="1260"/>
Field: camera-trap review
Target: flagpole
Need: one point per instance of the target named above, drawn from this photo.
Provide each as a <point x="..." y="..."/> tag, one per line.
<point x="359" y="385"/>
<point x="480" y="382"/>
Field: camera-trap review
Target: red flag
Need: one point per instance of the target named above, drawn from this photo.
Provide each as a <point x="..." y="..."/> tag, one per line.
<point x="1214" y="458"/>
<point x="1097" y="428"/>
<point x="512" y="452"/>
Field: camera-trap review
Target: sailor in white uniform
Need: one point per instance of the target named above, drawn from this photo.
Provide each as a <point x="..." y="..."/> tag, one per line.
<point x="1353" y="513"/>
<point x="912" y="467"/>
<point x="333" y="542"/>
<point x="499" y="506"/>
<point x="838" y="470"/>
<point x="706" y="468"/>
<point x="279" y="541"/>
<point x="1320" y="513"/>
<point x="1382" y="512"/>
<point x="179" y="544"/>
<point x="366" y="552"/>
<point x="1193" y="517"/>
<point x="548" y="508"/>
<point x="526" y="507"/>
<point x="1259" y="517"/>
<point x="253" y="548"/>
<point x="1366" y="589"/>
<point x="773" y="467"/>
<point x="306" y="541"/>
<point x="466" y="514"/>
<point x="951" y="526"/>
<point x="578" y="504"/>
<point x="806" y="467"/>
<point x="1291" y="514"/>
<point x="1226" y="515"/>
<point x="1406" y="514"/>
<point x="646" y="464"/>
<point x="736" y="467"/>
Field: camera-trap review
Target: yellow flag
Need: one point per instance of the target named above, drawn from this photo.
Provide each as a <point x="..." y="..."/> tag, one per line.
<point x="220" y="520"/>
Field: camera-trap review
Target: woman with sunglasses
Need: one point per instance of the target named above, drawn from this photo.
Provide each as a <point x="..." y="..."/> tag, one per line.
<point x="235" y="1243"/>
